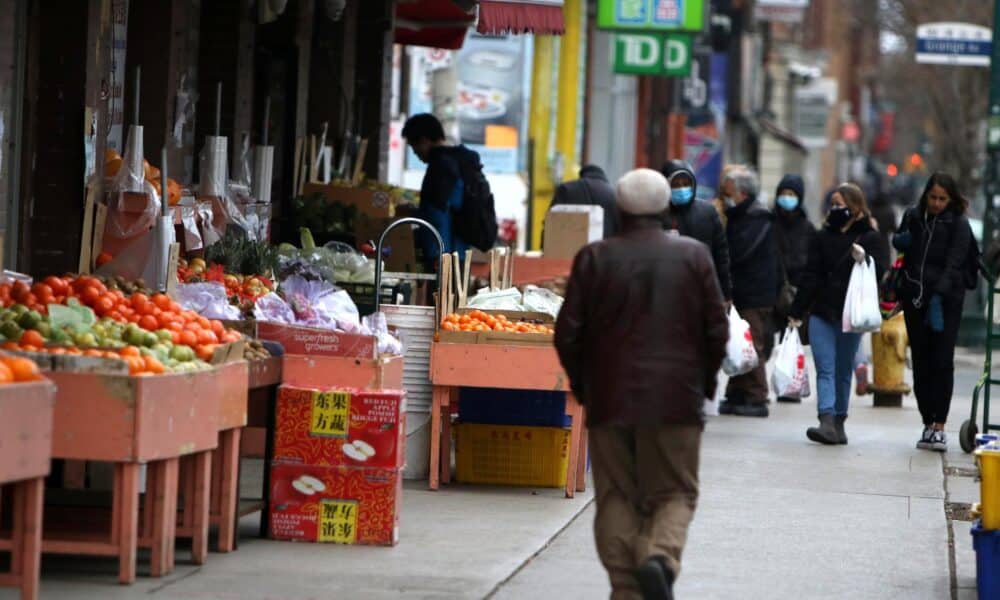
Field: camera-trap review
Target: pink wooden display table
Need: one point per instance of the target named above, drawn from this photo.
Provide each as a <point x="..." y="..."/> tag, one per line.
<point x="25" y="452"/>
<point x="528" y="367"/>
<point x="532" y="269"/>
<point x="231" y="383"/>
<point x="131" y="421"/>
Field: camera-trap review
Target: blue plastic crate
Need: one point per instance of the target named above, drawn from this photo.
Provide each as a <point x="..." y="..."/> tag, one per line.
<point x="512" y="407"/>
<point x="987" y="545"/>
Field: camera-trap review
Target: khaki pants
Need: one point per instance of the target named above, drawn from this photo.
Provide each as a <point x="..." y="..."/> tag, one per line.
<point x="646" y="486"/>
<point x="751" y="388"/>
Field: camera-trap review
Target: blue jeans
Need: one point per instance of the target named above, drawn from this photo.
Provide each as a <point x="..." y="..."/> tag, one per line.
<point x="833" y="352"/>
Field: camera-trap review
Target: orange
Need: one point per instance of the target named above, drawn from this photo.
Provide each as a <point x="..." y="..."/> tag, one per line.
<point x="23" y="369"/>
<point x="207" y="336"/>
<point x="129" y="351"/>
<point x="6" y="375"/>
<point x="149" y="323"/>
<point x="32" y="338"/>
<point x="188" y="338"/>
<point x="154" y="366"/>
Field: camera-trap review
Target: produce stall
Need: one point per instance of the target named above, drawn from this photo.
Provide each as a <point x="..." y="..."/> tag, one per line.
<point x="504" y="346"/>
<point x="25" y="449"/>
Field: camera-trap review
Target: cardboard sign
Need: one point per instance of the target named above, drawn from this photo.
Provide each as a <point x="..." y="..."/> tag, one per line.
<point x="340" y="505"/>
<point x="355" y="428"/>
<point x="569" y="227"/>
<point x="374" y="203"/>
<point x="317" y="342"/>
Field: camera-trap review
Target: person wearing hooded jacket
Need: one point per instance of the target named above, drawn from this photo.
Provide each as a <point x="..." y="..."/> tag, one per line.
<point x="793" y="233"/>
<point x="694" y="218"/>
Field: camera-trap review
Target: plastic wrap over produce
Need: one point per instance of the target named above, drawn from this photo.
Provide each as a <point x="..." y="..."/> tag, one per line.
<point x="207" y="299"/>
<point x="132" y="174"/>
<point x="192" y="233"/>
<point x="206" y="214"/>
<point x="335" y="261"/>
<point x="321" y="304"/>
<point x="214" y="174"/>
<point x="538" y="299"/>
<point x="378" y="326"/>
<point x="135" y="204"/>
<point x="509" y="299"/>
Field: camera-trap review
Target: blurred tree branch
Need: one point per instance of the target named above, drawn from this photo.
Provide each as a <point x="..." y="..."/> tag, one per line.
<point x="948" y="103"/>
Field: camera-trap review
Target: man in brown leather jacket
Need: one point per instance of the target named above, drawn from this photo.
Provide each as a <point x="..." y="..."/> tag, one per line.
<point x="641" y="335"/>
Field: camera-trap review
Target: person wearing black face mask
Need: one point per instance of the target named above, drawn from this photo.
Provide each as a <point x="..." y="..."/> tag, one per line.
<point x="847" y="237"/>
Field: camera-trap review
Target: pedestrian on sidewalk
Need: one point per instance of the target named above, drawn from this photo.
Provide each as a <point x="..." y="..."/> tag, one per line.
<point x="793" y="234"/>
<point x="940" y="262"/>
<point x="694" y="218"/>
<point x="592" y="188"/>
<point x="641" y="336"/>
<point x="846" y="238"/>
<point x="754" y="269"/>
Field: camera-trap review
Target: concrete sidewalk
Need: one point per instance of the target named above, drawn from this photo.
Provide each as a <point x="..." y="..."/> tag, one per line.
<point x="779" y="517"/>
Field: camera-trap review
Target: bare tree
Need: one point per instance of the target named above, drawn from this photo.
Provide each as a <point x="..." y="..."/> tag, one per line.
<point x="948" y="103"/>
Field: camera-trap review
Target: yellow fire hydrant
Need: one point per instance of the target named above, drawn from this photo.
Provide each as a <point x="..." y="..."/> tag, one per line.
<point x="889" y="362"/>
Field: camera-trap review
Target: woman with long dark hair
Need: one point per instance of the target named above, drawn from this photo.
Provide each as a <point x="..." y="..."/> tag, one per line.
<point x="846" y="238"/>
<point x="937" y="241"/>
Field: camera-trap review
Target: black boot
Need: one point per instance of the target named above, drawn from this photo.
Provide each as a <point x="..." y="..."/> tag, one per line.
<point x="826" y="433"/>
<point x="839" y="426"/>
<point x="789" y="400"/>
<point x="655" y="579"/>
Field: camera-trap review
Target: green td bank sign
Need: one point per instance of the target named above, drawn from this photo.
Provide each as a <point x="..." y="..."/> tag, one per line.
<point x="653" y="54"/>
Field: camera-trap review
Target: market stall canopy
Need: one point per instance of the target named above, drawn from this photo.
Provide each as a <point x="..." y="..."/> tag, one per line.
<point x="434" y="23"/>
<point x="543" y="17"/>
<point x="444" y="23"/>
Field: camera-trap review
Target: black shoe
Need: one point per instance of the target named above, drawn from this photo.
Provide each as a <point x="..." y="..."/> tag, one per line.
<point x="751" y="410"/>
<point x="838" y="424"/>
<point x="728" y="407"/>
<point x="826" y="433"/>
<point x="789" y="400"/>
<point x="655" y="579"/>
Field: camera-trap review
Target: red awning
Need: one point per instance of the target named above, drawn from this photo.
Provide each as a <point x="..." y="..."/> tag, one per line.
<point x="433" y="23"/>
<point x="544" y="17"/>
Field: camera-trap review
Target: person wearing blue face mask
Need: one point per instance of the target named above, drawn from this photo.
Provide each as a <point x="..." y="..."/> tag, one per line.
<point x="694" y="218"/>
<point x="793" y="233"/>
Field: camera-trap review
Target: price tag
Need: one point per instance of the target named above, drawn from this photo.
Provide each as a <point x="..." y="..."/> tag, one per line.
<point x="338" y="521"/>
<point x="330" y="414"/>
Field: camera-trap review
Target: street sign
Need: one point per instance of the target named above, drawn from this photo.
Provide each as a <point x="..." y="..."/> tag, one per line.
<point x="651" y="15"/>
<point x="960" y="44"/>
<point x="653" y="54"/>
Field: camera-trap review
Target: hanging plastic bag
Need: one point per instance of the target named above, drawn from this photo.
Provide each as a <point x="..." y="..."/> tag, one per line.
<point x="741" y="356"/>
<point x="861" y="305"/>
<point x="790" y="378"/>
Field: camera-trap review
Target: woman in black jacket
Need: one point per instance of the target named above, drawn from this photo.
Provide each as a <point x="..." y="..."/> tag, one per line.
<point x="847" y="238"/>
<point x="936" y="239"/>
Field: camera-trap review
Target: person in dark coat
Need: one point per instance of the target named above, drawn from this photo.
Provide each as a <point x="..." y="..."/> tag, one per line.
<point x="641" y="336"/>
<point x="754" y="269"/>
<point x="847" y="238"/>
<point x="937" y="243"/>
<point x="793" y="234"/>
<point x="696" y="219"/>
<point x="592" y="188"/>
<point x="441" y="192"/>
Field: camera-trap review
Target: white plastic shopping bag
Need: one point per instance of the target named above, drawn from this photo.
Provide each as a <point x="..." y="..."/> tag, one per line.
<point x="861" y="309"/>
<point x="741" y="357"/>
<point x="790" y="378"/>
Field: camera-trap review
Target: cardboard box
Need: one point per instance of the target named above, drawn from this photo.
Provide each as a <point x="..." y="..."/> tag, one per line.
<point x="374" y="203"/>
<point x="297" y="339"/>
<point x="340" y="505"/>
<point x="355" y="428"/>
<point x="569" y="227"/>
<point x="403" y="257"/>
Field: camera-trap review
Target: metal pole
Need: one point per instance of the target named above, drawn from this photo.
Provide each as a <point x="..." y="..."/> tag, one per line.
<point x="135" y="114"/>
<point x="218" y="109"/>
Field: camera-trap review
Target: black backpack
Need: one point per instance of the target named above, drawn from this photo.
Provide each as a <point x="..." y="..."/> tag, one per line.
<point x="476" y="222"/>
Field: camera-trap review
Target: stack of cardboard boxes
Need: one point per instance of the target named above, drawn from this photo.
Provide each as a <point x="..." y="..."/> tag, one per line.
<point x="337" y="470"/>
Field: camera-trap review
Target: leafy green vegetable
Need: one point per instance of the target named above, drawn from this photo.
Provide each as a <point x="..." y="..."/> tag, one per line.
<point x="77" y="318"/>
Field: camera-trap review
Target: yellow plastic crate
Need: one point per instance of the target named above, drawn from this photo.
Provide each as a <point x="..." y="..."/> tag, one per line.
<point x="511" y="455"/>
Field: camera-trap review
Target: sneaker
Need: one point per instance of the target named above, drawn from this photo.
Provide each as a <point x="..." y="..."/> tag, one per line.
<point x="789" y="400"/>
<point x="926" y="438"/>
<point x="939" y="441"/>
<point x="751" y="410"/>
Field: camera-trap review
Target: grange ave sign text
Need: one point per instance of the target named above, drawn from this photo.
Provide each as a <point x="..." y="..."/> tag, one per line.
<point x="653" y="54"/>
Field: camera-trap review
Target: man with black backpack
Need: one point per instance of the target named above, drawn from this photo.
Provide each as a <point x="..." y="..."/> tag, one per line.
<point x="455" y="197"/>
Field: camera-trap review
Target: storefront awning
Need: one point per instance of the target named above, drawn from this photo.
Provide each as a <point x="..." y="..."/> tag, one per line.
<point x="544" y="17"/>
<point x="433" y="23"/>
